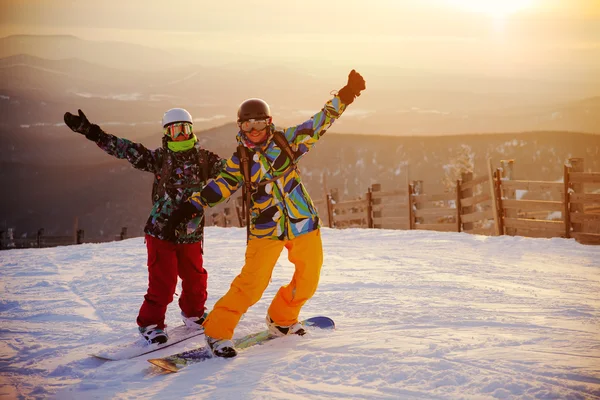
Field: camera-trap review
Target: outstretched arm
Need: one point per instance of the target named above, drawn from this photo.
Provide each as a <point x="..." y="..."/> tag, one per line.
<point x="137" y="154"/>
<point x="220" y="188"/>
<point x="302" y="137"/>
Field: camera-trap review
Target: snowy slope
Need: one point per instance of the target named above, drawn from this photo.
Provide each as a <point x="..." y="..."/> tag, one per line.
<point x="425" y="315"/>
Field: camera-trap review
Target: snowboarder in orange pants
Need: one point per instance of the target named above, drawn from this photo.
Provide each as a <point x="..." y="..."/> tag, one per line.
<point x="280" y="214"/>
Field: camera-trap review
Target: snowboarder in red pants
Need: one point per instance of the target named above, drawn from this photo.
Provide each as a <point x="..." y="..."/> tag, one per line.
<point x="179" y="166"/>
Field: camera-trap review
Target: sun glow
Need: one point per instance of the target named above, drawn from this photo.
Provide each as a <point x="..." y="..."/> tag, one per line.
<point x="494" y="8"/>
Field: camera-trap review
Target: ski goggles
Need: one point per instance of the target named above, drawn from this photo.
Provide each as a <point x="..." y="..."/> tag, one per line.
<point x="254" y="124"/>
<point x="178" y="129"/>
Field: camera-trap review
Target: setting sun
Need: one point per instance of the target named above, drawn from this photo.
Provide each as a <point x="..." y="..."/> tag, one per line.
<point x="495" y="8"/>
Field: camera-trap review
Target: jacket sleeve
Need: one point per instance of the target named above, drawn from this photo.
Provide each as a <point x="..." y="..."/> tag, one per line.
<point x="216" y="164"/>
<point x="138" y="155"/>
<point x="221" y="187"/>
<point x="302" y="137"/>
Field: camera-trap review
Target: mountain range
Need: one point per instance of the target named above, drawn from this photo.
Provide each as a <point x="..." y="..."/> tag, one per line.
<point x="41" y="77"/>
<point x="407" y="125"/>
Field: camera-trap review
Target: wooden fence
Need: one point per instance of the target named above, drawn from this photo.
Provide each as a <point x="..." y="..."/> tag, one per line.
<point x="457" y="210"/>
<point x="40" y="240"/>
<point x="531" y="208"/>
<point x="550" y="209"/>
<point x="493" y="204"/>
<point x="390" y="209"/>
<point x="582" y="202"/>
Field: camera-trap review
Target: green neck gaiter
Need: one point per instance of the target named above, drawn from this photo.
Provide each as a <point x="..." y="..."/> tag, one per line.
<point x="183" y="145"/>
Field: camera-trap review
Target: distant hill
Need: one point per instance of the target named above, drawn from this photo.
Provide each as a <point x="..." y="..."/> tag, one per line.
<point x="113" y="54"/>
<point x="37" y="92"/>
<point x="41" y="77"/>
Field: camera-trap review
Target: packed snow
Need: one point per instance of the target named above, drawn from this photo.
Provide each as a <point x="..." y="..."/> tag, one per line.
<point x="419" y="315"/>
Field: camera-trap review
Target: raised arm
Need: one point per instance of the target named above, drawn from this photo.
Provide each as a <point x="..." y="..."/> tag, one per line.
<point x="137" y="154"/>
<point x="302" y="137"/>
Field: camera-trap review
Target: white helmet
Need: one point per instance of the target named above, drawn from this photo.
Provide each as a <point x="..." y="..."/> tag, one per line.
<point x="176" y="115"/>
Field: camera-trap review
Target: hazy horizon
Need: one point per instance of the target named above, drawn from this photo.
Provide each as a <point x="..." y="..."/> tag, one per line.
<point x="431" y="66"/>
<point x="550" y="39"/>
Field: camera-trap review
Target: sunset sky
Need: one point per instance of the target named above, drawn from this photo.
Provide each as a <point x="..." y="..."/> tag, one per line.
<point x="507" y="37"/>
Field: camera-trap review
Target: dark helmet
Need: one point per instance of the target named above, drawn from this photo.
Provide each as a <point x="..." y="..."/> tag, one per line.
<point x="253" y="109"/>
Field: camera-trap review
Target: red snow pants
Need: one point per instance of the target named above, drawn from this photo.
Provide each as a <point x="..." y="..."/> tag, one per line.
<point x="167" y="261"/>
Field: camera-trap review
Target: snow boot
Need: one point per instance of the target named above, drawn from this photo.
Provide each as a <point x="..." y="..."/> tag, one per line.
<point x="221" y="347"/>
<point x="278" y="330"/>
<point x="152" y="334"/>
<point x="193" y="323"/>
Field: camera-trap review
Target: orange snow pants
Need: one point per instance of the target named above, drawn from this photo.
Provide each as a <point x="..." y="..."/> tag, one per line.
<point x="305" y="252"/>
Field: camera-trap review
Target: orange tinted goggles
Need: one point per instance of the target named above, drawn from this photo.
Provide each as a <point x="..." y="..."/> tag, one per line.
<point x="180" y="128"/>
<point x="254" y="124"/>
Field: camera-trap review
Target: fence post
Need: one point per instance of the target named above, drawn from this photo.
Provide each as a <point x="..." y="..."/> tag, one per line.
<point x="510" y="194"/>
<point x="123" y="234"/>
<point x="369" y="208"/>
<point x="376" y="187"/>
<point x="499" y="204"/>
<point x="566" y="201"/>
<point x="329" y="203"/>
<point x="466" y="177"/>
<point x="577" y="165"/>
<point x="40" y="234"/>
<point x="80" y="234"/>
<point x="496" y="209"/>
<point x="411" y="213"/>
<point x="458" y="206"/>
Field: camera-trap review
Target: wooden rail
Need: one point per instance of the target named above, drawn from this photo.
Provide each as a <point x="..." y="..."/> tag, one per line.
<point x="492" y="204"/>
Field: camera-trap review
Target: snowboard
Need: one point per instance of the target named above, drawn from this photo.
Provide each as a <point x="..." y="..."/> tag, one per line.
<point x="176" y="362"/>
<point x="126" y="349"/>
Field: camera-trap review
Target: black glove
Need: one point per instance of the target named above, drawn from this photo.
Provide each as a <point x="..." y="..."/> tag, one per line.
<point x="355" y="85"/>
<point x="184" y="214"/>
<point x="80" y="124"/>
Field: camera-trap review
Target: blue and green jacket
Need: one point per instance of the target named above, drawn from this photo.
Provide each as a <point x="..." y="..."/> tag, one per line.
<point x="281" y="209"/>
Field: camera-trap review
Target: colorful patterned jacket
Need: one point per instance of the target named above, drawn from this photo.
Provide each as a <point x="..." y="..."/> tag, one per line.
<point x="281" y="209"/>
<point x="185" y="171"/>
